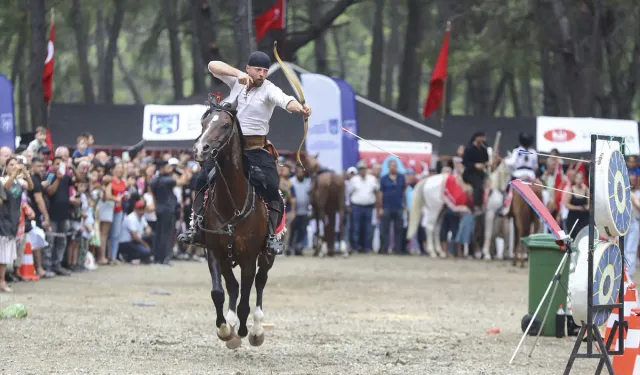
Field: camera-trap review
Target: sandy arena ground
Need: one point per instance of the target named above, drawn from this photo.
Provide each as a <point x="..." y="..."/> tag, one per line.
<point x="362" y="315"/>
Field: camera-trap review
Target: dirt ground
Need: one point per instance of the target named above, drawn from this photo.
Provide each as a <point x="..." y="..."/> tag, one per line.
<point x="362" y="315"/>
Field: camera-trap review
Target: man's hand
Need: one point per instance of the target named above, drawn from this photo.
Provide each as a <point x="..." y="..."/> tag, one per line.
<point x="243" y="78"/>
<point x="479" y="166"/>
<point x="45" y="225"/>
<point x="306" y="110"/>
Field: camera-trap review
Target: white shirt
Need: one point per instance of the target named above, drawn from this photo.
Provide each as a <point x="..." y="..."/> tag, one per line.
<point x="363" y="190"/>
<point x="148" y="199"/>
<point x="133" y="223"/>
<point x="256" y="106"/>
<point x="522" y="165"/>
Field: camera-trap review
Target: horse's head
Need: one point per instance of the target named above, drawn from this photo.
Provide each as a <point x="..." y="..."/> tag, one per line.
<point x="219" y="124"/>
<point x="311" y="163"/>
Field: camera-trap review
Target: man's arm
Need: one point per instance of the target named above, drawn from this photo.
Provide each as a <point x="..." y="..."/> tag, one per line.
<point x="53" y="188"/>
<point x="224" y="72"/>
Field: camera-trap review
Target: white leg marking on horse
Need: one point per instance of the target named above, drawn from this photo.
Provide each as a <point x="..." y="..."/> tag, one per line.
<point x="232" y="318"/>
<point x="256" y="328"/>
<point x="324" y="249"/>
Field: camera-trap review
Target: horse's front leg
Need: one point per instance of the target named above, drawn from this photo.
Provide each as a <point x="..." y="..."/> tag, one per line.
<point x="217" y="295"/>
<point x="233" y="341"/>
<point x="248" y="274"/>
<point x="256" y="333"/>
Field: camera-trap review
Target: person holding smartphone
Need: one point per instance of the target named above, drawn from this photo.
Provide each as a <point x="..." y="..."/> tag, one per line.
<point x="58" y="192"/>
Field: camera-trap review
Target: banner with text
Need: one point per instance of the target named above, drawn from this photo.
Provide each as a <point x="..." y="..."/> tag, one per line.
<point x="573" y="134"/>
<point x="415" y="155"/>
<point x="172" y="122"/>
<point x="350" y="155"/>
<point x="7" y="124"/>
<point x="325" y="136"/>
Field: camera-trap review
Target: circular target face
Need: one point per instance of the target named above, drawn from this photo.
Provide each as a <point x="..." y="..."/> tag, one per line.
<point x="606" y="278"/>
<point x="619" y="192"/>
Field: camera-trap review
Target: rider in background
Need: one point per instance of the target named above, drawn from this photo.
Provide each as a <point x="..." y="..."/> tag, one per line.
<point x="523" y="160"/>
<point x="475" y="159"/>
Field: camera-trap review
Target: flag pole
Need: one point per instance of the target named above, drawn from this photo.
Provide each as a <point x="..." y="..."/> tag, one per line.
<point x="443" y="105"/>
<point x="50" y="99"/>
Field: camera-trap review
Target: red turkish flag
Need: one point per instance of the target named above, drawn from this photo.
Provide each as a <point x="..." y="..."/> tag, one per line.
<point x="47" y="77"/>
<point x="272" y="19"/>
<point x="436" y="85"/>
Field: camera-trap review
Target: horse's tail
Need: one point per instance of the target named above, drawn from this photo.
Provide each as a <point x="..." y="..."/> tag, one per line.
<point x="415" y="211"/>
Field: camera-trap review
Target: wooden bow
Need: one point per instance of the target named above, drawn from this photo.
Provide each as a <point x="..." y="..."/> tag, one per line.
<point x="296" y="84"/>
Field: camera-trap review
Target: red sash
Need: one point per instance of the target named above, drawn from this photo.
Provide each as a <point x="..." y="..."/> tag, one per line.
<point x="454" y="191"/>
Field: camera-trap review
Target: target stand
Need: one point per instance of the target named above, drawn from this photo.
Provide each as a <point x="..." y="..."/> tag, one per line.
<point x="605" y="284"/>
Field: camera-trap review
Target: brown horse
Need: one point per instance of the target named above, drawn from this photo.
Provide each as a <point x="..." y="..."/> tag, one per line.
<point x="523" y="217"/>
<point x="327" y="200"/>
<point x="235" y="225"/>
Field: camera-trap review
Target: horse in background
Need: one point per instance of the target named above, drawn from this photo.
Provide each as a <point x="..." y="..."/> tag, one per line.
<point x="429" y="193"/>
<point x="328" y="201"/>
<point x="496" y="225"/>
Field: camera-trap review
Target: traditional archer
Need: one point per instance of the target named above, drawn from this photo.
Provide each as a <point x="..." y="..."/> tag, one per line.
<point x="257" y="97"/>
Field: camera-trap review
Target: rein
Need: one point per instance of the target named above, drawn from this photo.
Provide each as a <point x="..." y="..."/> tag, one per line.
<point x="228" y="227"/>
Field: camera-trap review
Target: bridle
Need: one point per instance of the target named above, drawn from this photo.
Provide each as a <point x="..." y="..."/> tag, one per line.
<point x="228" y="227"/>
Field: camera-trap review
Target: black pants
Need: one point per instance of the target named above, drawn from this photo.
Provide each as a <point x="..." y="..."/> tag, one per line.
<point x="391" y="219"/>
<point x="265" y="178"/>
<point x="476" y="180"/>
<point x="298" y="232"/>
<point x="163" y="239"/>
<point x="135" y="250"/>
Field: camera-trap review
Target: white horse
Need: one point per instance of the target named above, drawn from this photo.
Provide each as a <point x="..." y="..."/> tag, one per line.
<point x="498" y="181"/>
<point x="429" y="194"/>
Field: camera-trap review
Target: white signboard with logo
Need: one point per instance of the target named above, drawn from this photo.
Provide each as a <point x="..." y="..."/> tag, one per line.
<point x="172" y="122"/>
<point x="325" y="136"/>
<point x="573" y="134"/>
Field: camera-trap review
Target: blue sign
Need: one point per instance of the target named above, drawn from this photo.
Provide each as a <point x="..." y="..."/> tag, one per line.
<point x="165" y="123"/>
<point x="333" y="126"/>
<point x="7" y="123"/>
<point x="350" y="155"/>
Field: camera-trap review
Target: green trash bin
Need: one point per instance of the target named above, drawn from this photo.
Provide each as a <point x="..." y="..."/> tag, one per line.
<point x="544" y="258"/>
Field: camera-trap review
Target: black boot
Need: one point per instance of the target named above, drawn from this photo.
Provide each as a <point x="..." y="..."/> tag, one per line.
<point x="274" y="246"/>
<point x="192" y="235"/>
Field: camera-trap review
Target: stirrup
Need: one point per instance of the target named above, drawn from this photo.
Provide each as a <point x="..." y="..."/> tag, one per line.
<point x="188" y="236"/>
<point x="274" y="246"/>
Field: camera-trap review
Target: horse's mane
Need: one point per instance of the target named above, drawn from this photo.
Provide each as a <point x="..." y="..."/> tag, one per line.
<point x="231" y="108"/>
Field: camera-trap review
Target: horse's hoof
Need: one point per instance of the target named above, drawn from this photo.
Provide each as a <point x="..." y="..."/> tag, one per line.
<point x="225" y="332"/>
<point x="487" y="257"/>
<point x="256" y="340"/>
<point x="234" y="343"/>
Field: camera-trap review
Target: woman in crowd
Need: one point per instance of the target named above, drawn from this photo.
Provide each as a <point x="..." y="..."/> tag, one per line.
<point x="14" y="182"/>
<point x="116" y="191"/>
<point x="577" y="204"/>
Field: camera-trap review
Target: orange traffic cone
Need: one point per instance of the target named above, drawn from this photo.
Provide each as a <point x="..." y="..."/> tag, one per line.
<point x="27" y="271"/>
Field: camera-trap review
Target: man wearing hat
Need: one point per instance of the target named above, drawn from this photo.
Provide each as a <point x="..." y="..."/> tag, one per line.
<point x="363" y="198"/>
<point x="257" y="97"/>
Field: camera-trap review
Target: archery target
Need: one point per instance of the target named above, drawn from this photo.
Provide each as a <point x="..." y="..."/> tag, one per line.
<point x="607" y="271"/>
<point x="612" y="190"/>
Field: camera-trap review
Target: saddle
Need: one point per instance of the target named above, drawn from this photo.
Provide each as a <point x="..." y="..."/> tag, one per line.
<point x="253" y="142"/>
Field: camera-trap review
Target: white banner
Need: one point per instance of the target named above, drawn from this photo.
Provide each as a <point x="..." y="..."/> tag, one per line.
<point x="172" y="122"/>
<point x="573" y="134"/>
<point x="325" y="133"/>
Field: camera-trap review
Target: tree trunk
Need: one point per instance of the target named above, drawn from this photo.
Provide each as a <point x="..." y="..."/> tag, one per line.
<point x="171" y="18"/>
<point x="375" y="64"/>
<point x="526" y="97"/>
<point x="77" y="22"/>
<point x="408" y="84"/>
<point x="341" y="59"/>
<point x="22" y="101"/>
<point x="515" y="100"/>
<point x="129" y="81"/>
<point x="18" y="58"/>
<point x="300" y="39"/>
<point x="242" y="30"/>
<point x="106" y="86"/>
<point x="315" y="8"/>
<point x="391" y="57"/>
<point x="37" y="56"/>
<point x="197" y="60"/>
<point x="100" y="43"/>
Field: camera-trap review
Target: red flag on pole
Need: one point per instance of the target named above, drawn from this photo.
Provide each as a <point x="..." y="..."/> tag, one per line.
<point x="47" y="77"/>
<point x="438" y="77"/>
<point x="272" y="19"/>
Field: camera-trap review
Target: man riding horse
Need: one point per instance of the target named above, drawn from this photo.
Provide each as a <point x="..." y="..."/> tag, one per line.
<point x="523" y="163"/>
<point x="256" y="98"/>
